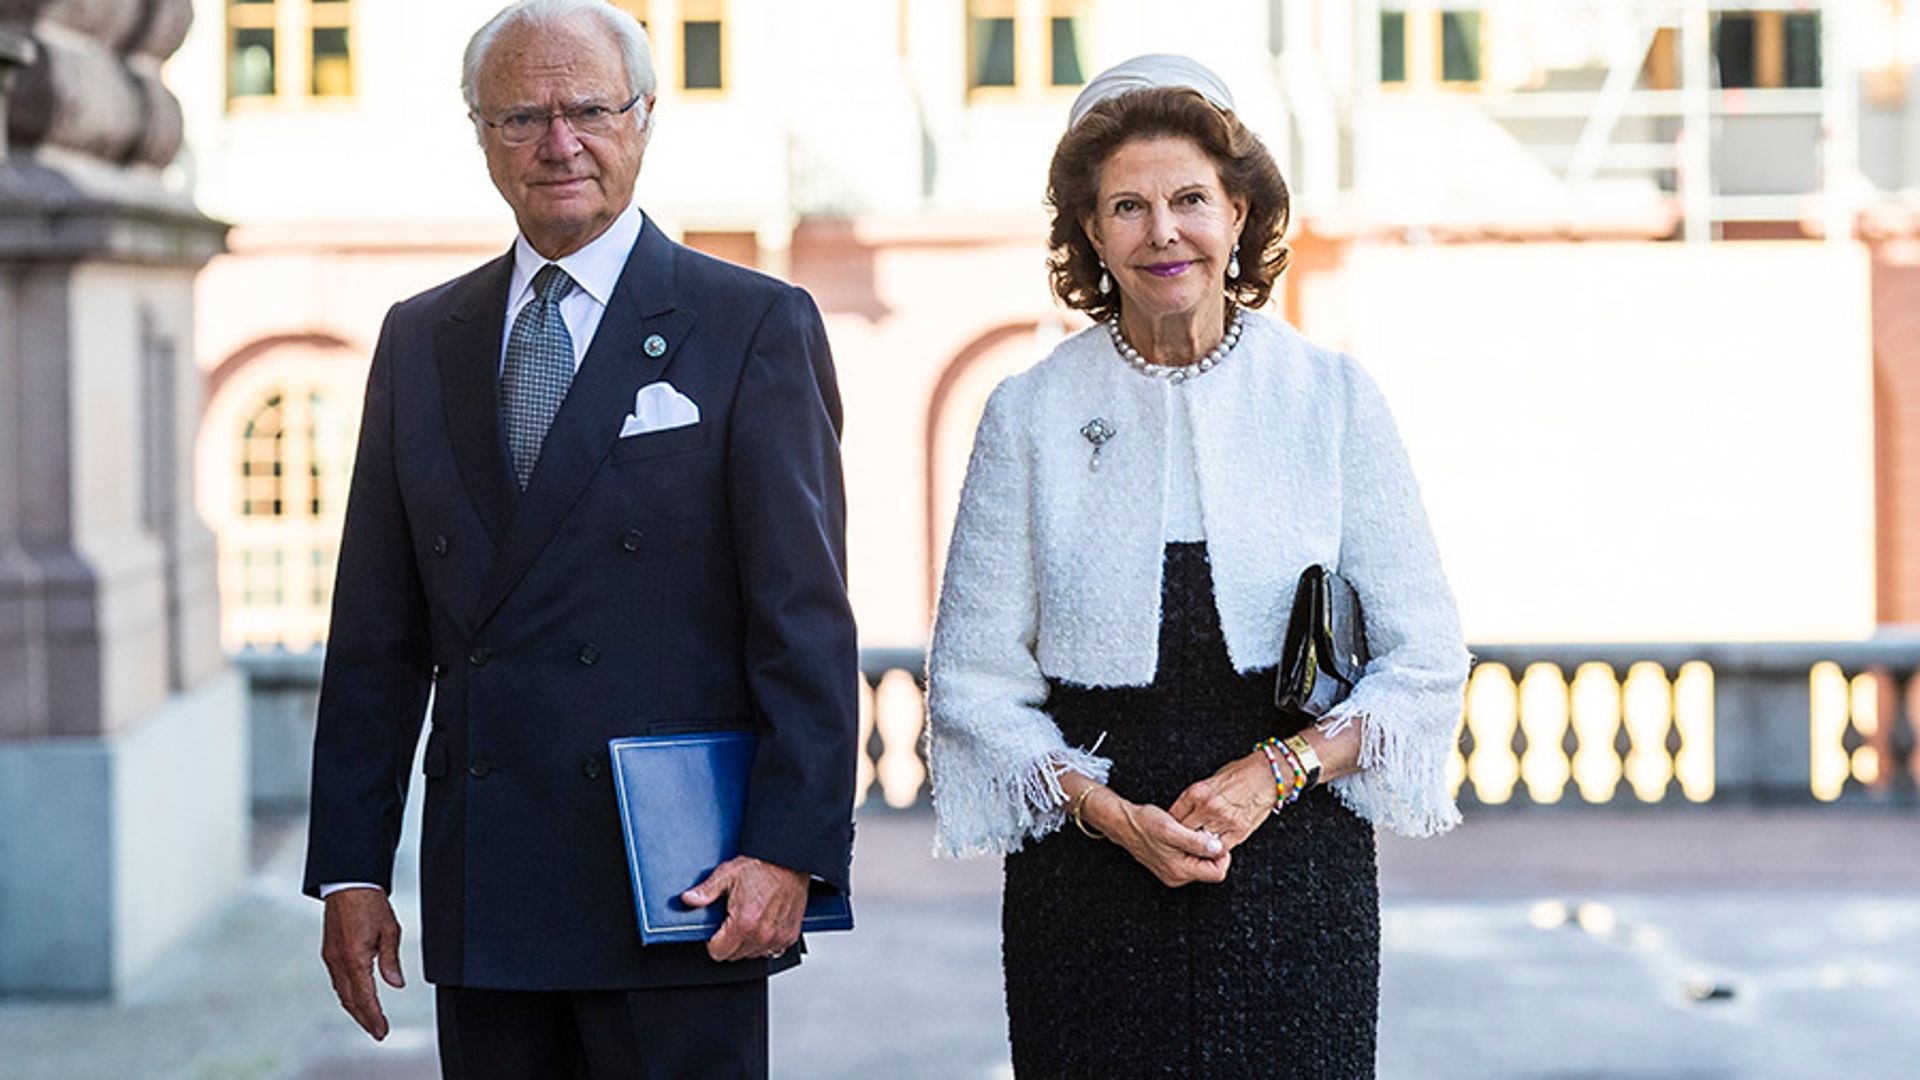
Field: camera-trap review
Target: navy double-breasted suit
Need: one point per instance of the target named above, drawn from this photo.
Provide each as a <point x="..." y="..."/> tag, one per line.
<point x="683" y="579"/>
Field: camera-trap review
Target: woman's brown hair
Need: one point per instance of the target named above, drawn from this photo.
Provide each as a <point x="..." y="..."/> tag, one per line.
<point x="1246" y="170"/>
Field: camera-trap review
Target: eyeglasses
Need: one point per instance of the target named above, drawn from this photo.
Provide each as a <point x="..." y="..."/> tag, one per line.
<point x="593" y="119"/>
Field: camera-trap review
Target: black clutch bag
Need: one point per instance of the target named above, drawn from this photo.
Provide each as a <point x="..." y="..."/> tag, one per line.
<point x="1325" y="650"/>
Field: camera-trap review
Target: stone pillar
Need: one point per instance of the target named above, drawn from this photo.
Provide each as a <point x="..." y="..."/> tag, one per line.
<point x="122" y="732"/>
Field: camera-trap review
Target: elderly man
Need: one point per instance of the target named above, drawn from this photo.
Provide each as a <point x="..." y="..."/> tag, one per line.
<point x="598" y="494"/>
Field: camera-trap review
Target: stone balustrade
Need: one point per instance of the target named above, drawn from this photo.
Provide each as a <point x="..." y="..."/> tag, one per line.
<point x="1569" y="725"/>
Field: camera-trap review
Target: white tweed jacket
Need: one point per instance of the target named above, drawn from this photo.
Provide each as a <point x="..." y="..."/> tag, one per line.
<point x="1054" y="570"/>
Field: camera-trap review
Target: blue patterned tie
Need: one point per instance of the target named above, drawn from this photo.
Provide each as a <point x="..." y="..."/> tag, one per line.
<point x="538" y="370"/>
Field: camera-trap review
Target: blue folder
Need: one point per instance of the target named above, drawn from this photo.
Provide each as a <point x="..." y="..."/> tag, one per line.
<point x="681" y="801"/>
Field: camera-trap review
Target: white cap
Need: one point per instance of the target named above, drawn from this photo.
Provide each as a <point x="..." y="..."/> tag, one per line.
<point x="1149" y="72"/>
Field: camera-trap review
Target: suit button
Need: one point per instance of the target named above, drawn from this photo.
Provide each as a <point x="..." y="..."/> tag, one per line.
<point x="440" y="544"/>
<point x="589" y="653"/>
<point x="480" y="656"/>
<point x="631" y="541"/>
<point x="479" y="769"/>
<point x="590" y="768"/>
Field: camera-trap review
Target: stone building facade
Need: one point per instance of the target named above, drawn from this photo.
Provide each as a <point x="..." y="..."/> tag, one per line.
<point x="122" y="738"/>
<point x="891" y="157"/>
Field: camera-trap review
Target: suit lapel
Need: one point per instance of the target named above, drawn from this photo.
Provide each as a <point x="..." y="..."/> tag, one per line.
<point x="616" y="366"/>
<point x="467" y="346"/>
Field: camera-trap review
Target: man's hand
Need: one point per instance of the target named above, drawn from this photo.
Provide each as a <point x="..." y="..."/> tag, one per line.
<point x="360" y="928"/>
<point x="764" y="906"/>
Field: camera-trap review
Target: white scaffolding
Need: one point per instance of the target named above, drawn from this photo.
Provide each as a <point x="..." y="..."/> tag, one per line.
<point x="1695" y="105"/>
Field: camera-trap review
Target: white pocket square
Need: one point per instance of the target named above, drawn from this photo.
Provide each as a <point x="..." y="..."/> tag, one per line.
<point x="659" y="407"/>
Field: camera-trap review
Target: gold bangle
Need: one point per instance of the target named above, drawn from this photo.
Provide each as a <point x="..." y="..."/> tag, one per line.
<point x="1309" y="760"/>
<point x="1079" y="803"/>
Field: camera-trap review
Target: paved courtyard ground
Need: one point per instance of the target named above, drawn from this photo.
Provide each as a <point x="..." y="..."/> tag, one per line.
<point x="1692" y="944"/>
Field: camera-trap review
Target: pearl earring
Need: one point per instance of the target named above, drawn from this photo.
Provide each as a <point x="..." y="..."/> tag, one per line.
<point x="1233" y="262"/>
<point x="1106" y="283"/>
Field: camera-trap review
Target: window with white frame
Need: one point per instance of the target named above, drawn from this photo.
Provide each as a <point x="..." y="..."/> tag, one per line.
<point x="692" y="50"/>
<point x="1767" y="49"/>
<point x="1025" y="47"/>
<point x="289" y="50"/>
<point x="1429" y="45"/>
<point x="1752" y="50"/>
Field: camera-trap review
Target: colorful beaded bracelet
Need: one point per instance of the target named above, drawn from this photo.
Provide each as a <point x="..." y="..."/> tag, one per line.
<point x="1279" y="777"/>
<point x="1299" y="786"/>
<point x="1284" y="791"/>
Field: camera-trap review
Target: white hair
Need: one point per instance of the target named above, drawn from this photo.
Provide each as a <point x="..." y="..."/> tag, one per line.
<point x="627" y="33"/>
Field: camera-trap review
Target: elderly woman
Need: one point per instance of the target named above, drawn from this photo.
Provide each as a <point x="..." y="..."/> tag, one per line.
<point x="1136" y="513"/>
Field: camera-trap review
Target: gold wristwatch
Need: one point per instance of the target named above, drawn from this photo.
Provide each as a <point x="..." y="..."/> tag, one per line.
<point x="1309" y="760"/>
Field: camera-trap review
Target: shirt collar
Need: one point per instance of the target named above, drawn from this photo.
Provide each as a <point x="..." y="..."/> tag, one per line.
<point x="595" y="268"/>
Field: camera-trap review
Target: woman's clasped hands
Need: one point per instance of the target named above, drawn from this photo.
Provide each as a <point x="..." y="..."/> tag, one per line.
<point x="1231" y="803"/>
<point x="1172" y="852"/>
<point x="1193" y="840"/>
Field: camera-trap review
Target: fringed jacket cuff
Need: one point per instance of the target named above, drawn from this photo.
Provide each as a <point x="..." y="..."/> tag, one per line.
<point x="1054" y="571"/>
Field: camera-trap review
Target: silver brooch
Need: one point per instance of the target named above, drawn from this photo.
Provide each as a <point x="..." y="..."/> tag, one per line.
<point x="1096" y="431"/>
<point x="655" y="346"/>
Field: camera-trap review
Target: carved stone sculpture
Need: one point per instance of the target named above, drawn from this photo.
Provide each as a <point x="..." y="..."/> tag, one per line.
<point x="95" y="87"/>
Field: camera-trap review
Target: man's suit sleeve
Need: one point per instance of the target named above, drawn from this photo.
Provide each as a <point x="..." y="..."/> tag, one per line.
<point x="373" y="692"/>
<point x="788" y="508"/>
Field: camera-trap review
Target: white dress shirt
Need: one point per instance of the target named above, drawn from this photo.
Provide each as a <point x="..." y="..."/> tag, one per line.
<point x="596" y="270"/>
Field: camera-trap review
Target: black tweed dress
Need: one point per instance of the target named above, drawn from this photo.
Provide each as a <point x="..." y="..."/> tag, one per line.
<point x="1274" y="972"/>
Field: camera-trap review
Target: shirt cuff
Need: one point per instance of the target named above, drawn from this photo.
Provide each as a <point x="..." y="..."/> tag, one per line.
<point x="332" y="887"/>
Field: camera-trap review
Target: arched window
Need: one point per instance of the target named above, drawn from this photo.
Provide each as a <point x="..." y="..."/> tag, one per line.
<point x="276" y="456"/>
<point x="263" y="462"/>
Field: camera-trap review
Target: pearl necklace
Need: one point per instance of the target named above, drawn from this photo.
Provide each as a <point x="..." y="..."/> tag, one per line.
<point x="1176" y="373"/>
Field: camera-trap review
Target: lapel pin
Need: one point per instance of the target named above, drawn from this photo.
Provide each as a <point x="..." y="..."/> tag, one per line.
<point x="1096" y="431"/>
<point x="655" y="346"/>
